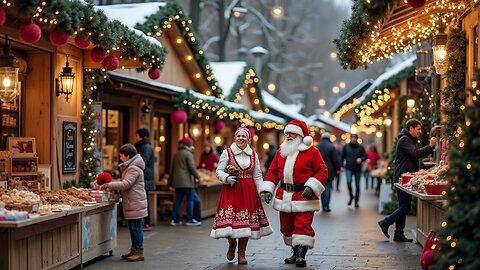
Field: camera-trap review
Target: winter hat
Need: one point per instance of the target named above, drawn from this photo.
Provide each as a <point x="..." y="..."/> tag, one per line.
<point x="187" y="141"/>
<point x="243" y="129"/>
<point x="143" y="133"/>
<point x="299" y="127"/>
<point x="326" y="135"/>
<point x="104" y="178"/>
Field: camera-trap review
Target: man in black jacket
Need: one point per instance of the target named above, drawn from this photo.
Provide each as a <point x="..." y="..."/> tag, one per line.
<point x="406" y="160"/>
<point x="330" y="156"/>
<point x="145" y="149"/>
<point x="353" y="154"/>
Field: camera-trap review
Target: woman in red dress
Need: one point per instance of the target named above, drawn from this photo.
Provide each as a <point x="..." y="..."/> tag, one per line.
<point x="240" y="213"/>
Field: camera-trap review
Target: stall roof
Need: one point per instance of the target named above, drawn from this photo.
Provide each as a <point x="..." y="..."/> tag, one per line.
<point x="227" y="74"/>
<point x="356" y="91"/>
<point x="331" y="122"/>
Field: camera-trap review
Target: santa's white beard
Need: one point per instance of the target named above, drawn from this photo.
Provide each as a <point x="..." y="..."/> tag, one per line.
<point x="290" y="147"/>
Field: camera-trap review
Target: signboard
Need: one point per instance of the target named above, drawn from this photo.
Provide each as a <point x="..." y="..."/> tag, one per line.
<point x="69" y="143"/>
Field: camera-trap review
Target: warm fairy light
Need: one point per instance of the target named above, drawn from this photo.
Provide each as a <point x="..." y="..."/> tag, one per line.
<point x="321" y="102"/>
<point x="333" y="56"/>
<point x="444" y="224"/>
<point x="335" y="89"/>
<point x="342" y="85"/>
<point x="453" y="244"/>
<point x="271" y="87"/>
<point x="469" y="166"/>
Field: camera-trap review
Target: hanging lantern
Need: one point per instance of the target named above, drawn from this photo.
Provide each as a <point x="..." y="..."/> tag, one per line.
<point x="30" y="33"/>
<point x="65" y="81"/>
<point x="58" y="37"/>
<point x="410" y="103"/>
<point x="154" y="73"/>
<point x="8" y="74"/>
<point x="440" y="52"/>
<point x="81" y="42"/>
<point x="416" y="3"/>
<point x="110" y="62"/>
<point x="98" y="54"/>
<point x="178" y="117"/>
<point x="3" y="16"/>
<point x="218" y="125"/>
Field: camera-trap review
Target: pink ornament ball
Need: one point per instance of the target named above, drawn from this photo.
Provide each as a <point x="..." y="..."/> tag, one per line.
<point x="218" y="125"/>
<point x="98" y="54"/>
<point x="58" y="37"/>
<point x="110" y="62"/>
<point x="178" y="117"/>
<point x="30" y="33"/>
<point x="3" y="16"/>
<point x="416" y="3"/>
<point x="81" y="42"/>
<point x="154" y="73"/>
<point x="427" y="259"/>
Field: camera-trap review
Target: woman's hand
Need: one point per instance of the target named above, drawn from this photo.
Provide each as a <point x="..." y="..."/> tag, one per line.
<point x="231" y="179"/>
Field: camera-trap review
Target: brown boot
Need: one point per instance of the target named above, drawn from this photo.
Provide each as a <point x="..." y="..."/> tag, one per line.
<point x="242" y="246"/>
<point x="124" y="256"/>
<point x="231" y="248"/>
<point x="136" y="256"/>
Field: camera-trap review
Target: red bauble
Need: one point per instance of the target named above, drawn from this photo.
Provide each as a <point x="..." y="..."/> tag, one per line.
<point x="110" y="62"/>
<point x="98" y="54"/>
<point x="30" y="33"/>
<point x="104" y="178"/>
<point x="58" y="37"/>
<point x="218" y="125"/>
<point x="3" y="16"/>
<point x="154" y="73"/>
<point x="81" y="42"/>
<point x="178" y="117"/>
<point x="427" y="258"/>
<point x="416" y="3"/>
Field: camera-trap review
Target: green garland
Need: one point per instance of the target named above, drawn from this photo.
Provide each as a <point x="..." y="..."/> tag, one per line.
<point x="240" y="83"/>
<point x="88" y="164"/>
<point x="74" y="15"/>
<point x="423" y="112"/>
<point x="355" y="32"/>
<point x="453" y="94"/>
<point x="154" y="24"/>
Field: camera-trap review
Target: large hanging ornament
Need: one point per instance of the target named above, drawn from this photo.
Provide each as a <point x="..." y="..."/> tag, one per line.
<point x="98" y="54"/>
<point x="179" y="117"/>
<point x="3" y="16"/>
<point x="416" y="3"/>
<point x="82" y="43"/>
<point x="218" y="125"/>
<point x="30" y="33"/>
<point x="58" y="37"/>
<point x="427" y="259"/>
<point x="110" y="62"/>
<point x="154" y="73"/>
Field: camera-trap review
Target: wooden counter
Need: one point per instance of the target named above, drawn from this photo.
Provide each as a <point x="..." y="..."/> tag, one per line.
<point x="209" y="195"/>
<point x="52" y="241"/>
<point x="430" y="212"/>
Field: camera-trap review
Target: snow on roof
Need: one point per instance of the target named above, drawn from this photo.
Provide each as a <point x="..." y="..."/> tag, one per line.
<point x="387" y="75"/>
<point x="359" y="87"/>
<point x="227" y="74"/>
<point x="332" y="122"/>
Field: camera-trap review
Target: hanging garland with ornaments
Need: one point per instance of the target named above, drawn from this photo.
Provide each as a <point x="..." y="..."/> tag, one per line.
<point x="247" y="78"/>
<point x="65" y="18"/>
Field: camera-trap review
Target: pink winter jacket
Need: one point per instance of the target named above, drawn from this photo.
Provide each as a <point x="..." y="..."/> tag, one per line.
<point x="132" y="187"/>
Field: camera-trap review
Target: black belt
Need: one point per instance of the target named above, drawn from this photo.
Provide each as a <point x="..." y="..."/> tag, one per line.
<point x="292" y="187"/>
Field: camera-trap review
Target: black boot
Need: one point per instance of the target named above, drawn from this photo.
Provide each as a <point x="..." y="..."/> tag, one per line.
<point x="301" y="252"/>
<point x="292" y="258"/>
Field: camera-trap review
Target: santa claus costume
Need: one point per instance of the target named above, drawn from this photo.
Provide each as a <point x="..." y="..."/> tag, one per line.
<point x="300" y="168"/>
<point x="240" y="213"/>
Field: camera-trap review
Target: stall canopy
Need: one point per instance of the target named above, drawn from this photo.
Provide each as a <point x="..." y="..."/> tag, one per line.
<point x="347" y="102"/>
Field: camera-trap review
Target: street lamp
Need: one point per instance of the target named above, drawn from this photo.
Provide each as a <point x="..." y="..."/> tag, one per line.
<point x="258" y="53"/>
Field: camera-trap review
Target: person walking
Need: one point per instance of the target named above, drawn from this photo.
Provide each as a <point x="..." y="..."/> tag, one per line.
<point x="145" y="149"/>
<point x="370" y="164"/>
<point x="270" y="155"/>
<point x="353" y="154"/>
<point x="209" y="158"/>
<point x="406" y="160"/>
<point x="301" y="172"/>
<point x="240" y="213"/>
<point x="134" y="197"/>
<point x="330" y="157"/>
<point x="338" y="148"/>
<point x="182" y="176"/>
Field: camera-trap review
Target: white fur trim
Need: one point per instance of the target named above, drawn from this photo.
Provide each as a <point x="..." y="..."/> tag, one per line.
<point x="289" y="206"/>
<point x="315" y="185"/>
<point x="304" y="147"/>
<point x="237" y="151"/>
<point x="288" y="169"/>
<point x="240" y="233"/>
<point x="287" y="240"/>
<point x="293" y="129"/>
<point x="267" y="186"/>
<point x="308" y="140"/>
<point x="303" y="240"/>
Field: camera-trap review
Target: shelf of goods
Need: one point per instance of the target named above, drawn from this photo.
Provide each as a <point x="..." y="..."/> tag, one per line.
<point x="60" y="240"/>
<point x="23" y="171"/>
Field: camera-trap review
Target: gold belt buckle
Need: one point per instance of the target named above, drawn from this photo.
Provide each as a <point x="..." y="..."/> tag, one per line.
<point x="289" y="187"/>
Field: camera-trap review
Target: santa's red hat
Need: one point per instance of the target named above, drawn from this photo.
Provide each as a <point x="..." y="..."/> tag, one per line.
<point x="104" y="178"/>
<point x="299" y="127"/>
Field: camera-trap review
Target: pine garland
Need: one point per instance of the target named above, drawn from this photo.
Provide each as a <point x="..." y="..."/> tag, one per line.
<point x="453" y="94"/>
<point x="241" y="84"/>
<point x="88" y="164"/>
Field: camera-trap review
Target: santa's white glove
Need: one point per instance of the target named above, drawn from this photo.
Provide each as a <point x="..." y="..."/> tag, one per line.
<point x="231" y="179"/>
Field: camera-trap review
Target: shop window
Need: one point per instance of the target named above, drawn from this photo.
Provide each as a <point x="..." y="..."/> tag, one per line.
<point x="112" y="122"/>
<point x="10" y="125"/>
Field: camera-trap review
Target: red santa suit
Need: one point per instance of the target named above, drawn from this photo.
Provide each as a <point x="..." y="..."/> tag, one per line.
<point x="300" y="169"/>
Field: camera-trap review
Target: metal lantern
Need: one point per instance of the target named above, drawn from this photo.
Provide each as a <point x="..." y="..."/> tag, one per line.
<point x="65" y="81"/>
<point x="440" y="52"/>
<point x="8" y="74"/>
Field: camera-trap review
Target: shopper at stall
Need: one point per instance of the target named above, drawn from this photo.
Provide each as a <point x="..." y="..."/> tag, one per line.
<point x="302" y="174"/>
<point x="134" y="197"/>
<point x="330" y="157"/>
<point x="240" y="214"/>
<point x="183" y="176"/>
<point x="406" y="160"/>
<point x="209" y="158"/>
<point x="145" y="149"/>
<point x="353" y="154"/>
